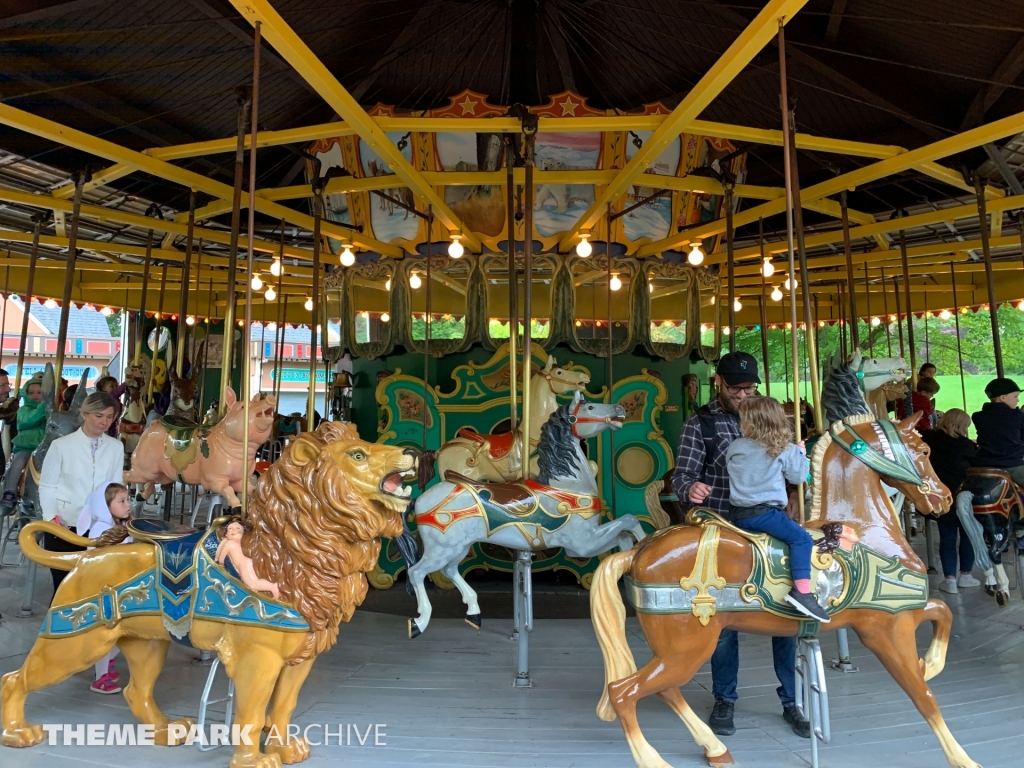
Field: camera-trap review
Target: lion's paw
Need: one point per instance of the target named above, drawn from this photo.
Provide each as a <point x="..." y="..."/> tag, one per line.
<point x="255" y="760"/>
<point x="295" y="751"/>
<point x="28" y="736"/>
<point x="163" y="738"/>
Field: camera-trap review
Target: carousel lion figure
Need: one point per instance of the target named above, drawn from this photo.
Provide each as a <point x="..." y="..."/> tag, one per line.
<point x="314" y="528"/>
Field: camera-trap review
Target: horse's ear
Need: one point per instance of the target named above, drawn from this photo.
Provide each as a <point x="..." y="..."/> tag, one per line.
<point x="229" y="397"/>
<point x="911" y="421"/>
<point x="48" y="388"/>
<point x="576" y="396"/>
<point x="550" y="364"/>
<point x="855" y="359"/>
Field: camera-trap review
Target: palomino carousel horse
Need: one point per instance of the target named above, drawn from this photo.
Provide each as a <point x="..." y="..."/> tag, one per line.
<point x="688" y="583"/>
<point x="58" y="424"/>
<point x="133" y="419"/>
<point x="315" y="524"/>
<point x="200" y="455"/>
<point x="561" y="508"/>
<point x="500" y="457"/>
<point x="995" y="501"/>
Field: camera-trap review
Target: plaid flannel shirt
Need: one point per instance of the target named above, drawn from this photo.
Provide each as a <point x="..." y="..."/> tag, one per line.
<point x="690" y="458"/>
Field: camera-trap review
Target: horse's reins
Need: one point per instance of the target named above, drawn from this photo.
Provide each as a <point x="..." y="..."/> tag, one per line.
<point x="575" y="419"/>
<point x="892" y="461"/>
<point x="862" y="376"/>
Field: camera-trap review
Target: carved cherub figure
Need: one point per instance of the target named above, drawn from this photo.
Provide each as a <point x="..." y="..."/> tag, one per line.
<point x="231" y="548"/>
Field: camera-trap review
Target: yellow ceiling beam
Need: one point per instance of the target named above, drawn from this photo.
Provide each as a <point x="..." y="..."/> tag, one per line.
<point x="994" y="131"/>
<point x="749" y="43"/>
<point x="293" y="50"/>
<point x="61" y="134"/>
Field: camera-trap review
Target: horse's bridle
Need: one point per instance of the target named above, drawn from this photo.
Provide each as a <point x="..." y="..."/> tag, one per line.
<point x="892" y="461"/>
<point x="575" y="419"/>
<point x="890" y="374"/>
<point x="568" y="383"/>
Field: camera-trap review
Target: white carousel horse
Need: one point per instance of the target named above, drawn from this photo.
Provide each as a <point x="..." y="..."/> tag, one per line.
<point x="561" y="508"/>
<point x="499" y="457"/>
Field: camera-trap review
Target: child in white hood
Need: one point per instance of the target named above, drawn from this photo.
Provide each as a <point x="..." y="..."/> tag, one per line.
<point x="105" y="508"/>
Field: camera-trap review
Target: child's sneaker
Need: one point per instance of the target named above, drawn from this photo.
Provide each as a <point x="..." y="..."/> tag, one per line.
<point x="105" y="684"/>
<point x="967" y="580"/>
<point x="808" y="605"/>
<point x="948" y="585"/>
<point x="9" y="500"/>
<point x="112" y="672"/>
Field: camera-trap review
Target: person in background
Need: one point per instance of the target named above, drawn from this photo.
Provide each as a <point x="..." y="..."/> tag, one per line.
<point x="922" y="400"/>
<point x="701" y="479"/>
<point x="691" y="393"/>
<point x="67" y="396"/>
<point x="109" y="385"/>
<point x="31" y="430"/>
<point x="8" y="410"/>
<point x="952" y="452"/>
<point x="927" y="371"/>
<point x="1000" y="426"/>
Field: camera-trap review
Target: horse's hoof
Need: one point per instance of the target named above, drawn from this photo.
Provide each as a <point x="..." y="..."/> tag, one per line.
<point x="236" y="511"/>
<point x="28" y="736"/>
<point x="295" y="751"/>
<point x="474" y="620"/>
<point x="1002" y="598"/>
<point x="414" y="631"/>
<point x="990" y="590"/>
<point x="718" y="761"/>
<point x="162" y="736"/>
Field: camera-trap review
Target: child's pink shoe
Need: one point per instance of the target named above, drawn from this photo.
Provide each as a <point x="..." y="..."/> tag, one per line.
<point x="105" y="684"/>
<point x="112" y="672"/>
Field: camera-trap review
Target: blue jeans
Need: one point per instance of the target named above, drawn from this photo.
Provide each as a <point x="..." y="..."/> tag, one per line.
<point x="777" y="523"/>
<point x="725" y="667"/>
<point x="949" y="528"/>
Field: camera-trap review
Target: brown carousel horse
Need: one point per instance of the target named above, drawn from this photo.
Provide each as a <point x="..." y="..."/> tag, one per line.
<point x="688" y="583"/>
<point x="997" y="506"/>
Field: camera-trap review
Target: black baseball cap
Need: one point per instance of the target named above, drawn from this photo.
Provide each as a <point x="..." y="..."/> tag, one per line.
<point x="1001" y="386"/>
<point x="738" y="368"/>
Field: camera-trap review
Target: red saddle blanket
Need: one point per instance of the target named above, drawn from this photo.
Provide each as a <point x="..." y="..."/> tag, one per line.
<point x="498" y="446"/>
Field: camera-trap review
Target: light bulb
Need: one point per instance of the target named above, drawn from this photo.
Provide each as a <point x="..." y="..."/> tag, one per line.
<point x="789" y="326"/>
<point x="668" y="324"/>
<point x="414" y="281"/>
<point x="347" y="258"/>
<point x="876" y="321"/>
<point x="584" y="248"/>
<point x="455" y="249"/>
<point x="650" y="287"/>
<point x="365" y="315"/>
<point x="946" y="314"/>
<point x="776" y="294"/>
<point x="767" y="269"/>
<point x="892" y="318"/>
<point x="257" y="282"/>
<point x="50" y="304"/>
<point x="696" y="255"/>
<point x="964" y="310"/>
<point x="385" y="317"/>
<point x="703" y="328"/>
<point x="736" y="305"/>
<point x="1020" y="306"/>
<point x="387" y="285"/>
<point x="309" y="304"/>
<point x="190" y="320"/>
<point x="615" y="283"/>
<point x="796" y="284"/>
<point x="727" y="331"/>
<point x="106" y="311"/>
<point x="271" y="294"/>
<point x="275" y="267"/>
<point x="821" y="323"/>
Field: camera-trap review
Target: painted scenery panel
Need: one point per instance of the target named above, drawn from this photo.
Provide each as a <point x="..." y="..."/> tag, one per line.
<point x="389" y="221"/>
<point x="654" y="219"/>
<point x="336" y="205"/>
<point x="558" y="207"/>
<point x="480" y="207"/>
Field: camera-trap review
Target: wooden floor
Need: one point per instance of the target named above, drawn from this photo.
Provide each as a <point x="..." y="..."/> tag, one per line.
<point x="445" y="699"/>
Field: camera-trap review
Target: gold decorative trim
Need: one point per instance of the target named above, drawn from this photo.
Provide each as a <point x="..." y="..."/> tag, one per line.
<point x="705" y="575"/>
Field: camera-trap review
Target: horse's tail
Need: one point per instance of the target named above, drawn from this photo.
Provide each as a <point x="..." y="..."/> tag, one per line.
<point x="406" y="544"/>
<point x="426" y="470"/>
<point x="609" y="617"/>
<point x="62" y="561"/>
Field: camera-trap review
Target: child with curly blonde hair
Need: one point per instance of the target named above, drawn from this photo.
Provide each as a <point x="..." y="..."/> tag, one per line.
<point x="759" y="464"/>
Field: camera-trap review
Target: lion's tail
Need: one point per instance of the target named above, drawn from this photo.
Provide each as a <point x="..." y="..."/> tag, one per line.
<point x="609" y="617"/>
<point x="63" y="561"/>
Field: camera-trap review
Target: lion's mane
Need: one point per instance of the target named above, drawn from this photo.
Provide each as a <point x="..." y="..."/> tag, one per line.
<point x="314" y="536"/>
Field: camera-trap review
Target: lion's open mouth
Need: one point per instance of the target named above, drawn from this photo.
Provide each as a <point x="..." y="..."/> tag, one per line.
<point x="394" y="484"/>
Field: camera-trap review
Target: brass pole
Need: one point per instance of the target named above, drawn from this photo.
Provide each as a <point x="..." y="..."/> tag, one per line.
<point x="244" y="105"/>
<point x="279" y="362"/>
<point x="186" y="273"/>
<point x="731" y="264"/>
<point x="426" y="323"/>
<point x="850" y="288"/>
<point x="885" y="309"/>
<point x="959" y="350"/>
<point x="528" y="145"/>
<point x="867" y="300"/>
<point x="513" y="297"/>
<point x="251" y="229"/>
<point x="199" y="271"/>
<point x="763" y="309"/>
<point x="279" y="328"/>
<point x="993" y="307"/>
<point x="69" y="279"/>
<point x="37" y="220"/>
<point x="611" y="369"/>
<point x="206" y="349"/>
<point x="910" y="311"/>
<point x="899" y="312"/>
<point x="157" y="330"/>
<point x="317" y="213"/>
<point x="140" y="318"/>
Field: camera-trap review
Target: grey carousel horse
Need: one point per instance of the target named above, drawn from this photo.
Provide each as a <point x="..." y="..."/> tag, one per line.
<point x="58" y="424"/>
<point x="561" y="508"/>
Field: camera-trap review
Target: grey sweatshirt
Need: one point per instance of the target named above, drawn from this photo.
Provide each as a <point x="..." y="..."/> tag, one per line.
<point x="756" y="478"/>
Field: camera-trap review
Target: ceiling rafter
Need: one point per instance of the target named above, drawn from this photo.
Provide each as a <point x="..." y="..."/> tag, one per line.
<point x="1007" y="71"/>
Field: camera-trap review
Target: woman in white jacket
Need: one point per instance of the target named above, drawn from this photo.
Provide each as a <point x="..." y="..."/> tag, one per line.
<point x="74" y="466"/>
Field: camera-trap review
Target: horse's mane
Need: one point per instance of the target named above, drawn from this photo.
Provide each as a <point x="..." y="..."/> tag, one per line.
<point x="818" y="458"/>
<point x="314" y="536"/>
<point x="840" y="393"/>
<point x="555" y="454"/>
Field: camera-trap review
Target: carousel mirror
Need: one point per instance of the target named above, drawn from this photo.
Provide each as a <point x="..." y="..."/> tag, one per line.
<point x="331" y="314"/>
<point x="449" y="288"/>
<point x="670" y="303"/>
<point x="158" y="338"/>
<point x="496" y="274"/>
<point x="708" y="288"/>
<point x="592" y="287"/>
<point x="369" y="291"/>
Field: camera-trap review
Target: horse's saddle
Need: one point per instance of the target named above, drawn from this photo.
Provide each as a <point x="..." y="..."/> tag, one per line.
<point x="186" y="582"/>
<point x="994" y="490"/>
<point x="498" y="445"/>
<point x="513" y="499"/>
<point x="184" y="438"/>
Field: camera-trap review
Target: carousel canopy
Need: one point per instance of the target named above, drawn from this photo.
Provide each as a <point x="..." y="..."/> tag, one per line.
<point x="650" y="106"/>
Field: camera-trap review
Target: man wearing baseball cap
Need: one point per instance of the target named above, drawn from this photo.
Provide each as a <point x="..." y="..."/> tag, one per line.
<point x="1000" y="426"/>
<point x="701" y="479"/>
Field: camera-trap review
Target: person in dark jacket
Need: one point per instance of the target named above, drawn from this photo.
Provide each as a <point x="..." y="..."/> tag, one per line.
<point x="951" y="456"/>
<point x="1000" y="426"/>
